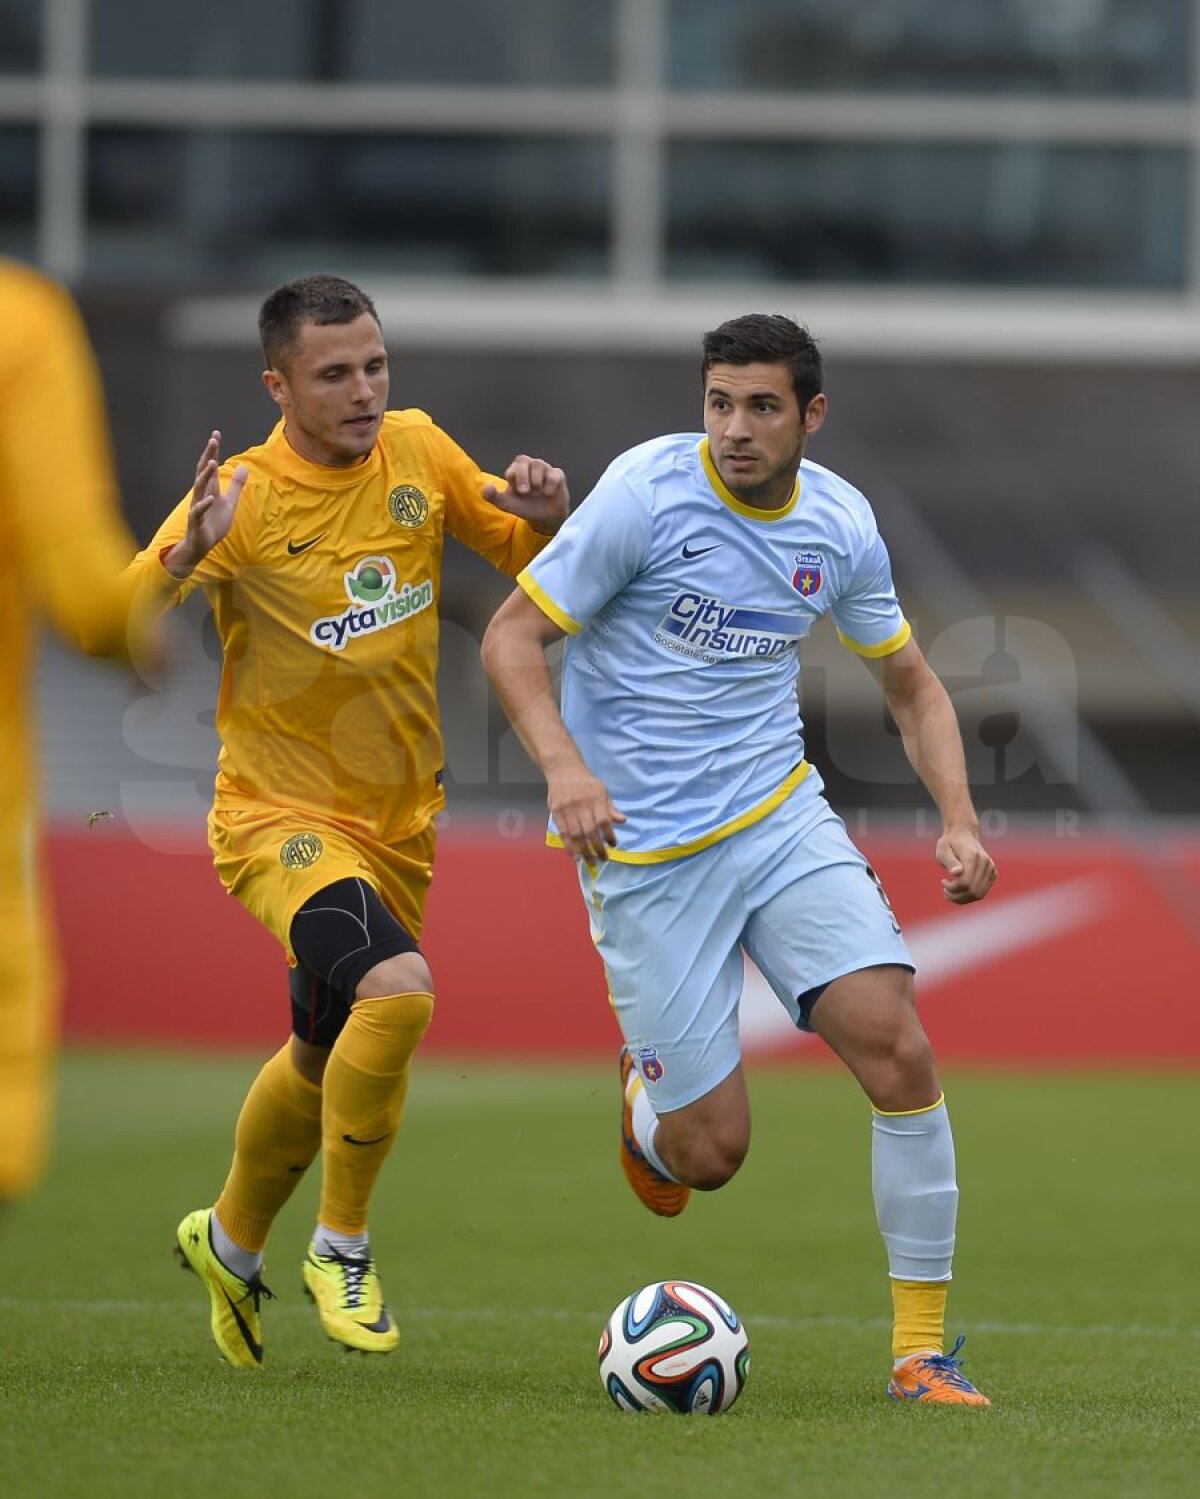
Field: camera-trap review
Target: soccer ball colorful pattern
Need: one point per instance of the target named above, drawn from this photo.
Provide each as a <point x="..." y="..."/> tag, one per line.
<point x="674" y="1346"/>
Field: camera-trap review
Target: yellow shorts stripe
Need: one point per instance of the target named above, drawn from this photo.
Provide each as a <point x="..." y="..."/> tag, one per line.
<point x="706" y="840"/>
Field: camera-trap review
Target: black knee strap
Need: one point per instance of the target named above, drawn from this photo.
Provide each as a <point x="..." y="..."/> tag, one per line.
<point x="338" y="935"/>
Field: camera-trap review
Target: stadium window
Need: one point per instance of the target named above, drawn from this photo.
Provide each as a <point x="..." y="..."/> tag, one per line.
<point x="18" y="189"/>
<point x="223" y="39"/>
<point x="1130" y="48"/>
<point x="1022" y="214"/>
<point x="560" y="43"/>
<point x="20" y="36"/>
<point x="160" y="204"/>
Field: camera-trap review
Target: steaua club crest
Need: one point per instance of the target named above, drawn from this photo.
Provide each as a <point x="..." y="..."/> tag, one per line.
<point x="652" y="1068"/>
<point x="809" y="574"/>
<point x="408" y="506"/>
<point x="301" y="850"/>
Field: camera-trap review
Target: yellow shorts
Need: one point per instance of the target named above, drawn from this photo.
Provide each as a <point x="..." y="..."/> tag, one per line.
<point x="273" y="859"/>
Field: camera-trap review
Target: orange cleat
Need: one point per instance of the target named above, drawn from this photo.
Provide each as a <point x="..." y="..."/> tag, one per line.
<point x="933" y="1379"/>
<point x="661" y="1195"/>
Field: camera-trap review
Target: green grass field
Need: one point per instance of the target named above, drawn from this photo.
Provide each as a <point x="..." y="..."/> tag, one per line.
<point x="505" y="1235"/>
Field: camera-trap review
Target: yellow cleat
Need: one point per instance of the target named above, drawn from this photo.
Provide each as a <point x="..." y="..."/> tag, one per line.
<point x="349" y="1301"/>
<point x="661" y="1195"/>
<point x="235" y="1324"/>
<point x="933" y="1379"/>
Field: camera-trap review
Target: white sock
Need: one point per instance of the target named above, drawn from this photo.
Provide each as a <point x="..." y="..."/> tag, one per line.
<point x="916" y="1353"/>
<point x="243" y="1262"/>
<point x="328" y="1242"/>
<point x="916" y="1194"/>
<point x="645" y="1126"/>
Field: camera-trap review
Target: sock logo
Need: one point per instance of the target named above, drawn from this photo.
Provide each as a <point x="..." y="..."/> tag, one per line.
<point x="378" y="1140"/>
<point x="652" y="1069"/>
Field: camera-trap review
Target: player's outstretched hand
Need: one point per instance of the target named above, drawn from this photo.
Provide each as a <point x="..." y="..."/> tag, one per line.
<point x="584" y="814"/>
<point x="211" y="512"/>
<point x="970" y="873"/>
<point x="537" y="492"/>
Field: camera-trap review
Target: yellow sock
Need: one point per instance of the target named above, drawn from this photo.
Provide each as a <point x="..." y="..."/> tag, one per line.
<point x="366" y="1080"/>
<point x="919" y="1316"/>
<point x="278" y="1135"/>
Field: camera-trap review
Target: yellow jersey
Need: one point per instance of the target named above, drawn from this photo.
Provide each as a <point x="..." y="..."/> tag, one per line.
<point x="63" y="543"/>
<point x="325" y="595"/>
<point x="63" y="551"/>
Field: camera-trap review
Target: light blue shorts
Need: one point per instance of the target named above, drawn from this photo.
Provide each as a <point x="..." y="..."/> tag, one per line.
<point x="792" y="891"/>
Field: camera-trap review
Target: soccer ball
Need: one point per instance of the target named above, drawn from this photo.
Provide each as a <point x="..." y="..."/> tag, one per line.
<point x="674" y="1346"/>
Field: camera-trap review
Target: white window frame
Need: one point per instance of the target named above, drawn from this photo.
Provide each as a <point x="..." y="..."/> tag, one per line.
<point x="635" y="309"/>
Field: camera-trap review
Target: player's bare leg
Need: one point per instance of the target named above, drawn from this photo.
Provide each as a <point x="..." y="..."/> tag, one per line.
<point x="870" y="1020"/>
<point x="701" y="1145"/>
<point x="705" y="1143"/>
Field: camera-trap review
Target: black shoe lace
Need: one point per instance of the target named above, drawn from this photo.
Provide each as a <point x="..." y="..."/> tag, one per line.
<point x="355" y="1268"/>
<point x="257" y="1292"/>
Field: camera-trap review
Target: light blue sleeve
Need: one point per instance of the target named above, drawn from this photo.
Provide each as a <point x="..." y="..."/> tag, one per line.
<point x="597" y="551"/>
<point x="867" y="614"/>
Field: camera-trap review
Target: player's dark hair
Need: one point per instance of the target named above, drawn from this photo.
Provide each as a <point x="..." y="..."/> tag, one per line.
<point x="311" y="299"/>
<point x="767" y="338"/>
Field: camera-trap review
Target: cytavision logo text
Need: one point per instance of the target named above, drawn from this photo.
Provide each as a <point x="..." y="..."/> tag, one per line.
<point x="335" y="630"/>
<point x="709" y="630"/>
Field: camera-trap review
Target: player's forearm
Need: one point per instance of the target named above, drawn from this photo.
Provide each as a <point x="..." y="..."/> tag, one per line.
<point x="182" y="559"/>
<point x="516" y="664"/>
<point x="932" y="741"/>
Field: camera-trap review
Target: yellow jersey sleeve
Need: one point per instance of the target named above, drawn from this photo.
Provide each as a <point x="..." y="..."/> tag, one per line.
<point x="57" y="483"/>
<point x="155" y="588"/>
<point x="506" y="541"/>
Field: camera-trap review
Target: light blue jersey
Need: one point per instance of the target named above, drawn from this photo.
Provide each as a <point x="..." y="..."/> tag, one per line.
<point x="685" y="610"/>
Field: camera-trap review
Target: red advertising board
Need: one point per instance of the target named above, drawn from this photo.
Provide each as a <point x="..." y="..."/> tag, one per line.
<point x="1085" y="953"/>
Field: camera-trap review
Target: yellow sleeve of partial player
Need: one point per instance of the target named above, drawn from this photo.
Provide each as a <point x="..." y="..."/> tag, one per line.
<point x="507" y="542"/>
<point x="57" y="482"/>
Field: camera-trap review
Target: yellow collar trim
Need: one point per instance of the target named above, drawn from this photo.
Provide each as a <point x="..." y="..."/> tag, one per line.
<point x="727" y="498"/>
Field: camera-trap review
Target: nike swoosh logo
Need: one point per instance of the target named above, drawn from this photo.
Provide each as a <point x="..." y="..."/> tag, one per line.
<point x="699" y="551"/>
<point x="350" y="1140"/>
<point x="247" y="1336"/>
<point x="921" y="1389"/>
<point x="946" y="947"/>
<point x="296" y="547"/>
